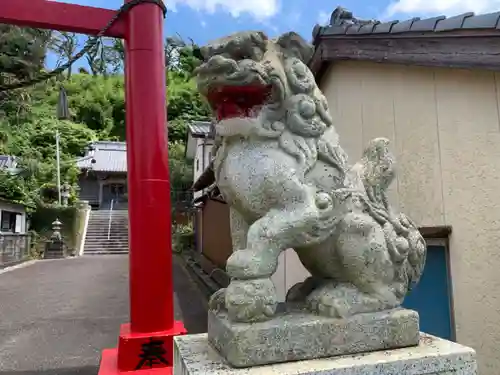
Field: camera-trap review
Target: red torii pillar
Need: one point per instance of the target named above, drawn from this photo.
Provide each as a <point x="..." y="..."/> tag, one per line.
<point x="151" y="291"/>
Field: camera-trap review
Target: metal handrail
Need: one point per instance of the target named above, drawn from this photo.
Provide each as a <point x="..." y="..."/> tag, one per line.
<point x="110" y="218"/>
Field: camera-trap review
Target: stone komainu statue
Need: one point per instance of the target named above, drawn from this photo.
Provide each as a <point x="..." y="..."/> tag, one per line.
<point x="280" y="167"/>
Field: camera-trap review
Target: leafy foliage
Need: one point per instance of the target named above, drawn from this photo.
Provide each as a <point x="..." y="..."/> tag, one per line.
<point x="28" y="121"/>
<point x="181" y="176"/>
<point x="183" y="238"/>
<point x="64" y="44"/>
<point x="22" y="51"/>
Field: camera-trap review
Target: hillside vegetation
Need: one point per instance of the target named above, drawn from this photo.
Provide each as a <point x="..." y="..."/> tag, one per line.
<point x="28" y="121"/>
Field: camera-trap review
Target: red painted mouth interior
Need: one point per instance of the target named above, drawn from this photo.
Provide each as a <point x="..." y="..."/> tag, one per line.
<point x="237" y="101"/>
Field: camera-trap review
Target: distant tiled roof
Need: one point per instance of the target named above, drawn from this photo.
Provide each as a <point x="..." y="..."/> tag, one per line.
<point x="105" y="156"/>
<point x="199" y="128"/>
<point x="8" y="162"/>
<point x="343" y="23"/>
<point x="110" y="145"/>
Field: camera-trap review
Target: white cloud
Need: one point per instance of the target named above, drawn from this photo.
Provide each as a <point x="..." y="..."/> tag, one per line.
<point x="260" y="9"/>
<point x="324" y="17"/>
<point x="271" y="26"/>
<point x="445" y="7"/>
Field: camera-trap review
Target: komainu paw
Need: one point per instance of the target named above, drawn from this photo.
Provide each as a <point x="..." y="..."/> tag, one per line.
<point x="251" y="300"/>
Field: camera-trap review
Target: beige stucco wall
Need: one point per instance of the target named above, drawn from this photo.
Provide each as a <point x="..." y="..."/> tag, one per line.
<point x="445" y="129"/>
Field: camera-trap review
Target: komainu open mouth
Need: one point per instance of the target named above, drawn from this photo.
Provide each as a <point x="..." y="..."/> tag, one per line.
<point x="238" y="101"/>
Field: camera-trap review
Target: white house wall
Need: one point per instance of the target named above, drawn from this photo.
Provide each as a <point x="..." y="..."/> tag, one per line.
<point x="290" y="272"/>
<point x="5" y="206"/>
<point x="445" y="132"/>
<point x="201" y="159"/>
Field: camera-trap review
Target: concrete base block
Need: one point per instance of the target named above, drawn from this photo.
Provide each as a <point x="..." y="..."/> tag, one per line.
<point x="193" y="355"/>
<point x="295" y="335"/>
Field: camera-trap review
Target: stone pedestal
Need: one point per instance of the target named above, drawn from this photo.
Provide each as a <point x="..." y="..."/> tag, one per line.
<point x="297" y="335"/>
<point x="193" y="355"/>
<point x="54" y="250"/>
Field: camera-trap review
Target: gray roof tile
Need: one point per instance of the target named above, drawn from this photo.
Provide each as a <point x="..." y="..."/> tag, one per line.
<point x="368" y="28"/>
<point x="7" y="162"/>
<point x="404" y="26"/>
<point x="318" y="29"/>
<point x="428" y="24"/>
<point x="200" y="128"/>
<point x="353" y="29"/>
<point x="385" y="27"/>
<point x="336" y="30"/>
<point x="453" y="23"/>
<point x="109" y="145"/>
<point x="105" y="157"/>
<point x="483" y="21"/>
<point x="345" y="24"/>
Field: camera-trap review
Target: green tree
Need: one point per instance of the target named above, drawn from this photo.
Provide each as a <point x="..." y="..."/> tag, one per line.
<point x="185" y="104"/>
<point x="22" y="52"/>
<point x="97" y="107"/>
<point x="11" y="189"/>
<point x="106" y="57"/>
<point x="22" y="56"/>
<point x="181" y="170"/>
<point x="64" y="44"/>
<point x="115" y="55"/>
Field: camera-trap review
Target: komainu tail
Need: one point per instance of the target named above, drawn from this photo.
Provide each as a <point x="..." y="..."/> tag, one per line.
<point x="417" y="251"/>
<point x="406" y="246"/>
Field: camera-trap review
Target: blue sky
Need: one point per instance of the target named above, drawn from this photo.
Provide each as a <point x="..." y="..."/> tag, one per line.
<point x="203" y="20"/>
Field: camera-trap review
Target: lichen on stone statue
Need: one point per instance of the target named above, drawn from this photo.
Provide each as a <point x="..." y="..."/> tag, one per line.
<point x="279" y="165"/>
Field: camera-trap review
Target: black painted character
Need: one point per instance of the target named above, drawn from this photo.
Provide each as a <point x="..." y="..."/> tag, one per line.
<point x="152" y="354"/>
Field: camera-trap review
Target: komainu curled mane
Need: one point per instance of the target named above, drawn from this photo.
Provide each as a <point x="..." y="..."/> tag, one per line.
<point x="280" y="167"/>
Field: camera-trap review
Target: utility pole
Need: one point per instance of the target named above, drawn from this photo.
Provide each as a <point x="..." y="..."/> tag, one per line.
<point x="62" y="114"/>
<point x="58" y="168"/>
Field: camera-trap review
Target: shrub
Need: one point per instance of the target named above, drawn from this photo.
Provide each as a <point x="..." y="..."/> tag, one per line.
<point x="43" y="217"/>
<point x="182" y="238"/>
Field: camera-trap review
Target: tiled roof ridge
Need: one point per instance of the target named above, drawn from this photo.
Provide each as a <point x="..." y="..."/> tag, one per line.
<point x="101" y="142"/>
<point x="200" y="127"/>
<point x="108" y="146"/>
<point x="342" y="22"/>
<point x="104" y="156"/>
<point x="12" y="157"/>
<point x="8" y="161"/>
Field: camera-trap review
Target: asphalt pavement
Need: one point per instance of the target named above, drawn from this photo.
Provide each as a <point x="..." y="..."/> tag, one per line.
<point x="56" y="316"/>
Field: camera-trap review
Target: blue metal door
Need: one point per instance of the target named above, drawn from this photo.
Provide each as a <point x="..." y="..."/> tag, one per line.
<point x="431" y="297"/>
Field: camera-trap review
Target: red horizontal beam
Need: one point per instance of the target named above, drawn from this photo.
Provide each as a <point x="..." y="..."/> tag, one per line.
<point x="59" y="16"/>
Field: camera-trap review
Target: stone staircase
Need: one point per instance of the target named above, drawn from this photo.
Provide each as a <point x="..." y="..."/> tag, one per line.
<point x="96" y="240"/>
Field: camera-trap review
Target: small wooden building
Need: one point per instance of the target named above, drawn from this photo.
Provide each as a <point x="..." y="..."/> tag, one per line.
<point x="14" y="237"/>
<point x="12" y="217"/>
<point x="212" y="228"/>
<point x="103" y="174"/>
<point x="199" y="143"/>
